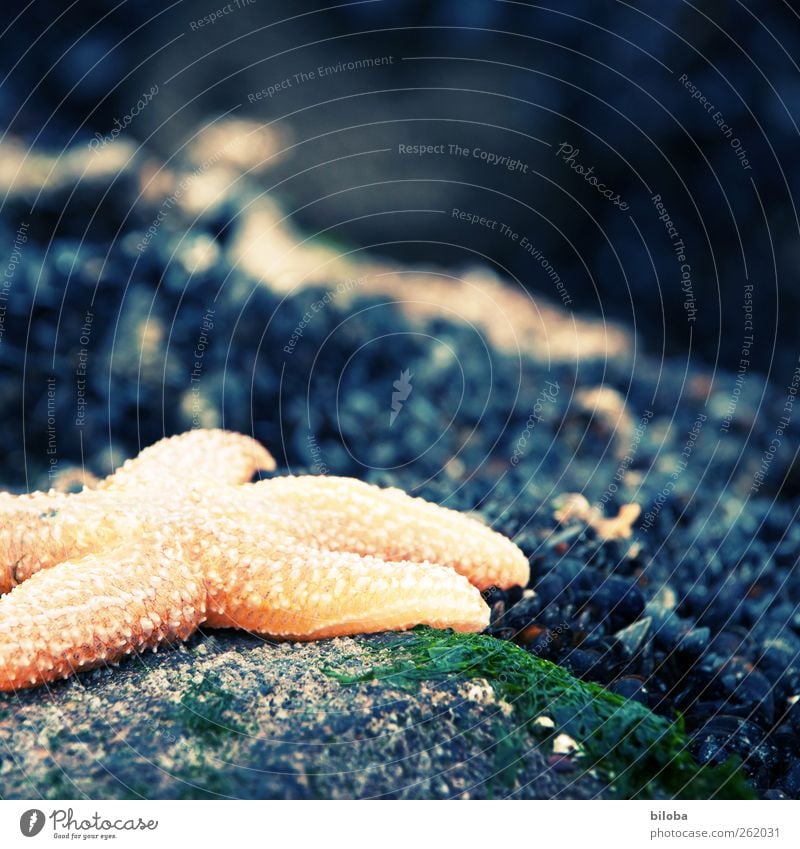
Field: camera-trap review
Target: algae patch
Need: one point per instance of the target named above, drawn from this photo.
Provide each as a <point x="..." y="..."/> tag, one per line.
<point x="639" y="754"/>
<point x="206" y="711"/>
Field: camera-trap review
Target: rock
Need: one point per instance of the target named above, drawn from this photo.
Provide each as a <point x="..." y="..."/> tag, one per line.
<point x="634" y="634"/>
<point x="693" y="642"/>
<point x="631" y="687"/>
<point x="231" y="715"/>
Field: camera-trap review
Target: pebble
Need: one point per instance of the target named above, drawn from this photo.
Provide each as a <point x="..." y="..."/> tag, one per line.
<point x="633" y="636"/>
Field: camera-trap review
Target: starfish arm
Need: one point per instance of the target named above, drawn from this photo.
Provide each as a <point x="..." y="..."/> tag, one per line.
<point x="197" y="459"/>
<point x="37" y="534"/>
<point x="97" y="610"/>
<point x="27" y="540"/>
<point x="306" y="593"/>
<point x="344" y="514"/>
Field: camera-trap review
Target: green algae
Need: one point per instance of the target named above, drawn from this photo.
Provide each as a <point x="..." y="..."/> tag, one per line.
<point x="638" y="753"/>
<point x="206" y="711"/>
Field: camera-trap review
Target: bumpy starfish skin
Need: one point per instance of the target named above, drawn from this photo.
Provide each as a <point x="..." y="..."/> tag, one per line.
<point x="96" y="609"/>
<point x="200" y="458"/>
<point x="147" y="557"/>
<point x="46" y="528"/>
<point x="349" y="515"/>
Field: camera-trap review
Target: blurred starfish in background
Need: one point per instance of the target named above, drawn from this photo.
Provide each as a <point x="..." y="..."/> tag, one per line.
<point x="179" y="537"/>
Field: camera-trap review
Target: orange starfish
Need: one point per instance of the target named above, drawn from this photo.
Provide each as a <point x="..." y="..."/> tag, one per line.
<point x="178" y="537"/>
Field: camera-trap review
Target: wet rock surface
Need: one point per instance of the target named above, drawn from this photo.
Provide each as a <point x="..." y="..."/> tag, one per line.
<point x="233" y="716"/>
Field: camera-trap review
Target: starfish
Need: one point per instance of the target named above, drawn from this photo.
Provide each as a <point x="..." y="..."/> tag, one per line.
<point x="180" y="537"/>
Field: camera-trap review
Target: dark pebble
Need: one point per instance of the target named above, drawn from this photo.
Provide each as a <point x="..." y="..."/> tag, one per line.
<point x="779" y="662"/>
<point x="523" y="613"/>
<point x="617" y="599"/>
<point x="747" y="691"/>
<point x="693" y="642"/>
<point x="790" y="782"/>
<point x="633" y="637"/>
<point x="724" y="736"/>
<point x="551" y="589"/>
<point x="582" y="662"/>
<point x="774" y="794"/>
<point x="631" y="687"/>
